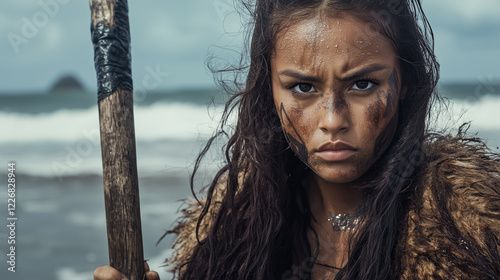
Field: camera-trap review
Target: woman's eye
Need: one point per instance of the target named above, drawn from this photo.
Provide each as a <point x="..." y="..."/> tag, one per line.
<point x="304" y="88"/>
<point x="363" y="85"/>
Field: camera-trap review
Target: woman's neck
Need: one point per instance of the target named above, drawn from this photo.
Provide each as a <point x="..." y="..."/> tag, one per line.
<point x="327" y="199"/>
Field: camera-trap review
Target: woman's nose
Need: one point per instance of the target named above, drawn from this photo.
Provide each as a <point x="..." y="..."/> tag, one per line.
<point x="334" y="115"/>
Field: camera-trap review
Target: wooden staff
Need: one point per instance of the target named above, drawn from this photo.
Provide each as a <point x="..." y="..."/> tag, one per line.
<point x="111" y="39"/>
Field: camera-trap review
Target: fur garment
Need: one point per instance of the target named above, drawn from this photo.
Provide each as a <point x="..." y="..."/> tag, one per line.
<point x="452" y="228"/>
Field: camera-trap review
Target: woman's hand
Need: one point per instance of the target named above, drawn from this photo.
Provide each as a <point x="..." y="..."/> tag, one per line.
<point x="108" y="273"/>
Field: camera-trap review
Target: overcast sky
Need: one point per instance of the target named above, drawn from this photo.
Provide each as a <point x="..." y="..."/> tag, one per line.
<point x="41" y="42"/>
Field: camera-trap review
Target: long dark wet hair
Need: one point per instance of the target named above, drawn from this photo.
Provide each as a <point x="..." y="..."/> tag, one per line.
<point x="260" y="229"/>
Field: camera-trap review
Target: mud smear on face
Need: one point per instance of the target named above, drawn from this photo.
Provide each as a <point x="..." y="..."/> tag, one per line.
<point x="374" y="111"/>
<point x="333" y="102"/>
<point x="296" y="143"/>
<point x="385" y="137"/>
<point x="392" y="94"/>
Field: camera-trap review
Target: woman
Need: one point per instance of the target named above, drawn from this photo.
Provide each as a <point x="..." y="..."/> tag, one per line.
<point x="331" y="172"/>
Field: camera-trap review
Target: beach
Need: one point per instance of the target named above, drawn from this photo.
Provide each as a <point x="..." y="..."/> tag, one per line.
<point x="54" y="141"/>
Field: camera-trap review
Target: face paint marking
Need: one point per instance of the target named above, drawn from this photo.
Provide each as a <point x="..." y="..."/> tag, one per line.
<point x="391" y="93"/>
<point x="299" y="145"/>
<point x="375" y="110"/>
<point x="385" y="137"/>
<point x="335" y="104"/>
<point x="339" y="102"/>
<point x="326" y="103"/>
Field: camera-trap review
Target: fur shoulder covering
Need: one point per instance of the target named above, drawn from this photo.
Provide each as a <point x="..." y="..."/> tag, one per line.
<point x="187" y="227"/>
<point x="453" y="225"/>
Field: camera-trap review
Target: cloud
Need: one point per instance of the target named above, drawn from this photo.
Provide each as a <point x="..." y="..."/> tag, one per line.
<point x="20" y="4"/>
<point x="479" y="18"/>
<point x="178" y="30"/>
<point x="6" y="23"/>
<point x="178" y="35"/>
<point x="54" y="37"/>
<point x="466" y="37"/>
<point x="473" y="11"/>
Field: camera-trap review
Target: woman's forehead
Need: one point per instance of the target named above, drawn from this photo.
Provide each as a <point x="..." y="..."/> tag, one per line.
<point x="345" y="40"/>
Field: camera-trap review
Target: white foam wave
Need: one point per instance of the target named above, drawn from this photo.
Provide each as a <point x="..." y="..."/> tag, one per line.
<point x="483" y="114"/>
<point x="180" y="121"/>
<point x="66" y="143"/>
<point x="159" y="121"/>
<point x="64" y="273"/>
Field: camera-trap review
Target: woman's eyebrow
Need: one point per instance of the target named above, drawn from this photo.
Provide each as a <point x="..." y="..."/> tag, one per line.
<point x="367" y="70"/>
<point x="298" y="76"/>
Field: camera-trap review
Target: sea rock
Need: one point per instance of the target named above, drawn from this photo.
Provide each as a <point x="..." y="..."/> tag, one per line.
<point x="67" y="83"/>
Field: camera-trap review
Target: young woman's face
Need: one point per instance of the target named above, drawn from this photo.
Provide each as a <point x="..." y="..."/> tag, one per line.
<point x="336" y="89"/>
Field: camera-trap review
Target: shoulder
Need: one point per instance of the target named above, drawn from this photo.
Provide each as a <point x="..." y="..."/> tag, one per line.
<point x="453" y="224"/>
<point x="190" y="230"/>
<point x="465" y="174"/>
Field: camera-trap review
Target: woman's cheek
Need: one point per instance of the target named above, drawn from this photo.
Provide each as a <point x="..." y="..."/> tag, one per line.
<point x="385" y="137"/>
<point x="387" y="114"/>
<point x="295" y="130"/>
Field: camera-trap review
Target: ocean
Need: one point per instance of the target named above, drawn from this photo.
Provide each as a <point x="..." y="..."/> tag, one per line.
<point x="54" y="141"/>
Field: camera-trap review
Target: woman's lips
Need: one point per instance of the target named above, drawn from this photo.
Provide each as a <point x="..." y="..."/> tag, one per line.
<point x="335" y="151"/>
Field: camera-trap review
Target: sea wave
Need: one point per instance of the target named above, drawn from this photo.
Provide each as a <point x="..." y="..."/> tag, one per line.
<point x="159" y="121"/>
<point x="187" y="121"/>
<point x="482" y="114"/>
<point x="66" y="143"/>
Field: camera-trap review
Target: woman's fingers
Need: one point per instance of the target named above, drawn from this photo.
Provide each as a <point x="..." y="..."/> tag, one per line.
<point x="108" y="273"/>
<point x="150" y="275"/>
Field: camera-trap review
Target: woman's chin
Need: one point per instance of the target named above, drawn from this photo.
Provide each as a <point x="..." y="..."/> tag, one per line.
<point x="338" y="176"/>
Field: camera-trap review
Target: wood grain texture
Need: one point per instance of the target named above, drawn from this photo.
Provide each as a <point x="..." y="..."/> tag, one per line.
<point x="121" y="187"/>
<point x="116" y="119"/>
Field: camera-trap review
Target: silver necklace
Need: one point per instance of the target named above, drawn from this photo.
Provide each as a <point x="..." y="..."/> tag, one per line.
<point x="344" y="222"/>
